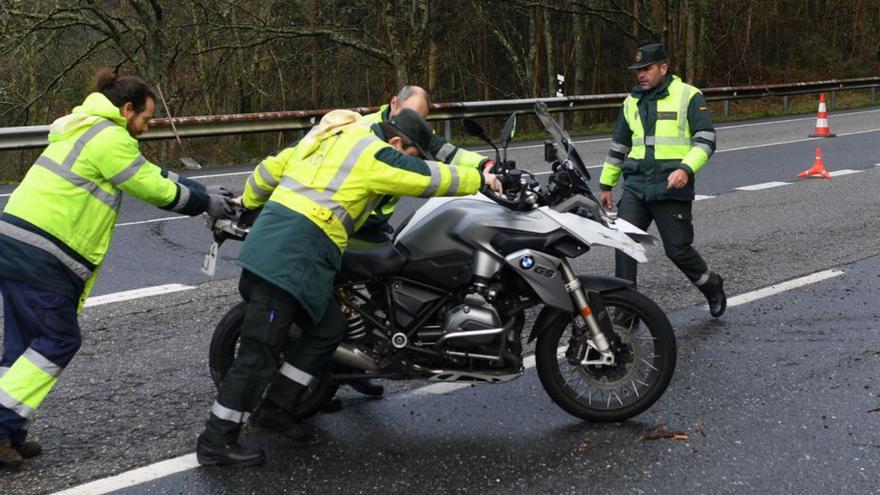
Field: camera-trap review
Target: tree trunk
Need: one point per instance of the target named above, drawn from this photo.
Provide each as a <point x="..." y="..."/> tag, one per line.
<point x="549" y="56"/>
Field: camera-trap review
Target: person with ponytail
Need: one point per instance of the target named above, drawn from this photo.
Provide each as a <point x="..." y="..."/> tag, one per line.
<point x="54" y="234"/>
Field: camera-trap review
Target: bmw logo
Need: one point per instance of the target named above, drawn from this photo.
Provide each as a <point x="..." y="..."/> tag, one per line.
<point x="527" y="262"/>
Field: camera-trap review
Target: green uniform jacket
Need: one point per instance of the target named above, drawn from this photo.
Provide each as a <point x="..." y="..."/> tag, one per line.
<point x="646" y="177"/>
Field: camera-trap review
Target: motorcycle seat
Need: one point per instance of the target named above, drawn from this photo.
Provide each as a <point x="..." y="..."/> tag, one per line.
<point x="365" y="261"/>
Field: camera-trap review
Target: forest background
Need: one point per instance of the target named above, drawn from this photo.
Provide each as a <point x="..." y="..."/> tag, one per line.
<point x="239" y="56"/>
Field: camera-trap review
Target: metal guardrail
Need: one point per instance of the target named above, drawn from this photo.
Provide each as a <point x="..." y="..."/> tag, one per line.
<point x="12" y="138"/>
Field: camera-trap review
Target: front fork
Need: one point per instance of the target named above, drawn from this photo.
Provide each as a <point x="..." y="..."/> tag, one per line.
<point x="597" y="338"/>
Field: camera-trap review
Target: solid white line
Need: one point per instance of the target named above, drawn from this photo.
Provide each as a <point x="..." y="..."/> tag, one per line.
<point x="844" y="171"/>
<point x="163" y="219"/>
<point x="700" y="197"/>
<point x="782" y="287"/>
<point x="136" y="294"/>
<point x="5" y="195"/>
<point x="765" y="185"/>
<point x="135" y="477"/>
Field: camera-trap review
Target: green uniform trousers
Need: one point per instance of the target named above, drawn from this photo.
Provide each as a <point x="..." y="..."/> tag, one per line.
<point x="270" y="315"/>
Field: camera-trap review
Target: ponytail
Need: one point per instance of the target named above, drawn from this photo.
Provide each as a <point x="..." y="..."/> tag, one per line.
<point x="122" y="90"/>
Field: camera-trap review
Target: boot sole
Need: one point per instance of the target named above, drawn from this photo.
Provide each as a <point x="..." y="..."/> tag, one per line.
<point x="208" y="460"/>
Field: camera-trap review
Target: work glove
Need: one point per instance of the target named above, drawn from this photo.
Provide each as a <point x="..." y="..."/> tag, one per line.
<point x="221" y="190"/>
<point x="220" y="207"/>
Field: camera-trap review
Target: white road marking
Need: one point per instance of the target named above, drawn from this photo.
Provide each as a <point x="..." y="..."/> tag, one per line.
<point x="5" y="195"/>
<point x="135" y="477"/>
<point x="845" y="171"/>
<point x="700" y="197"/>
<point x="187" y="462"/>
<point x="764" y="185"/>
<point x="163" y="219"/>
<point x="782" y="287"/>
<point x="230" y="174"/>
<point x="136" y="294"/>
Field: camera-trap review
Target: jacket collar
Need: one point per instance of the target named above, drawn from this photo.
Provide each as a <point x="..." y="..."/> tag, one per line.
<point x="657" y="92"/>
<point x="95" y="107"/>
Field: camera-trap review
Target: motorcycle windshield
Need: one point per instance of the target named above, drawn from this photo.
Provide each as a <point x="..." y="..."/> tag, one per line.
<point x="561" y="140"/>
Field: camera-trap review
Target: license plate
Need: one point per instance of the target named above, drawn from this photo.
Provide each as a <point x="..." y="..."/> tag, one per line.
<point x="209" y="264"/>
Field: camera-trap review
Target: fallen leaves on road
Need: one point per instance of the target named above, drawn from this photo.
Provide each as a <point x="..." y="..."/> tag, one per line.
<point x="662" y="432"/>
<point x="583" y="446"/>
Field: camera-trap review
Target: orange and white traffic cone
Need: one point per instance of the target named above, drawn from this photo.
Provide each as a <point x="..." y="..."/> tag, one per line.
<point x="822" y="128"/>
<point x="818" y="168"/>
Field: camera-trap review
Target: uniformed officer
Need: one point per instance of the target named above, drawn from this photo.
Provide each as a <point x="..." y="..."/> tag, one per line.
<point x="376" y="228"/>
<point x="662" y="138"/>
<point x="54" y="234"/>
<point x="316" y="194"/>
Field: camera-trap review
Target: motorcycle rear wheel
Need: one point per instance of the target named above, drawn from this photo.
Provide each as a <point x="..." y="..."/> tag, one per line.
<point x="610" y="394"/>
<point x="224" y="349"/>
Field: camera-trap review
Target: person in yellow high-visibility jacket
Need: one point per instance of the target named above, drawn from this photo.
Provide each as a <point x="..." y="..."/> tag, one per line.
<point x="662" y="138"/>
<point x="316" y="195"/>
<point x="54" y="234"/>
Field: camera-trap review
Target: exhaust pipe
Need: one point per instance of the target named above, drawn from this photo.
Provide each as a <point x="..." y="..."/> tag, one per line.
<point x="349" y="355"/>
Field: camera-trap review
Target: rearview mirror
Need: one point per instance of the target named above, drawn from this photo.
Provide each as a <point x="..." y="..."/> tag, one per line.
<point x="474" y="129"/>
<point x="509" y="130"/>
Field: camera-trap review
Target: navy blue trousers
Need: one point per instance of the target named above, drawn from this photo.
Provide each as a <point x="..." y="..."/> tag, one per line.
<point x="41" y="332"/>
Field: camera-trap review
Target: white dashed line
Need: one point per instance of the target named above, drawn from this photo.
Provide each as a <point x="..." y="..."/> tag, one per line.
<point x="700" y="197"/>
<point x="765" y="185"/>
<point x="782" y="287"/>
<point x="136" y="294"/>
<point x="845" y="171"/>
<point x="163" y="219"/>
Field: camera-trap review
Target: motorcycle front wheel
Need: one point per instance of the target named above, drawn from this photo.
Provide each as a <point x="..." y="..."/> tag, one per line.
<point x="224" y="349"/>
<point x="643" y="366"/>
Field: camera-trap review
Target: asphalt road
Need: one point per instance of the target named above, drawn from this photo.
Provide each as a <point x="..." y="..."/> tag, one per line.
<point x="773" y="398"/>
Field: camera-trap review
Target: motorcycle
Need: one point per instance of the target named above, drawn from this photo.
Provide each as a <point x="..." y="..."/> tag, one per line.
<point x="446" y="299"/>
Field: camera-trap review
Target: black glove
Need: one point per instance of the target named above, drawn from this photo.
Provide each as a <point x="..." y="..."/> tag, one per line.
<point x="221" y="190"/>
<point x="220" y="207"/>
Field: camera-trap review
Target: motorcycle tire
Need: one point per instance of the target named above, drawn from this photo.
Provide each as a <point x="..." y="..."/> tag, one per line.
<point x="224" y="349"/>
<point x="611" y="394"/>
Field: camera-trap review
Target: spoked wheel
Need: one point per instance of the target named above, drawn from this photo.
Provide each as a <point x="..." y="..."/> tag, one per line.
<point x="224" y="349"/>
<point x="644" y="361"/>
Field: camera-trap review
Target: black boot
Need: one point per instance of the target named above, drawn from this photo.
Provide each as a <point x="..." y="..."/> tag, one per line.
<point x="272" y="417"/>
<point x="366" y="387"/>
<point x="29" y="449"/>
<point x="714" y="292"/>
<point x="230" y="454"/>
<point x="9" y="457"/>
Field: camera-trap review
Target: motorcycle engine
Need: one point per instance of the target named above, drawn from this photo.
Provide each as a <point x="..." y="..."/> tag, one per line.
<point x="475" y="314"/>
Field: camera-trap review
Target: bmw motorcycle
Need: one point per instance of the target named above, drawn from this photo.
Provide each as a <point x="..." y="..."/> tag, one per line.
<point x="446" y="300"/>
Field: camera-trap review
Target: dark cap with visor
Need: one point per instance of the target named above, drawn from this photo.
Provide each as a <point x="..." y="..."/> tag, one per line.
<point x="649" y="54"/>
<point x="413" y="126"/>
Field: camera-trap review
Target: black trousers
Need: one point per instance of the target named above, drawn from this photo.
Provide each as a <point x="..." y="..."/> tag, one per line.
<point x="265" y="333"/>
<point x="674" y="222"/>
